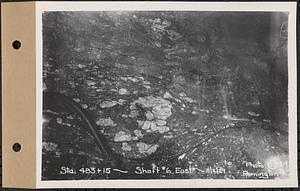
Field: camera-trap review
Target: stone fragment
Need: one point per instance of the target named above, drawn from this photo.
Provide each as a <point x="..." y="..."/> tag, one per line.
<point x="84" y="106"/>
<point x="90" y="83"/>
<point x="154" y="127"/>
<point x="81" y="66"/>
<point x="59" y="120"/>
<point x="161" y="122"/>
<point x="167" y="95"/>
<point x="124" y="116"/>
<point x="188" y="99"/>
<point x="76" y="100"/>
<point x="126" y="147"/>
<point x="146" y="83"/>
<point x="146" y="125"/>
<point x="149" y="115"/>
<point x="121" y="101"/>
<point x="138" y="133"/>
<point x="162" y="111"/>
<point x="133" y="79"/>
<point x="122" y="136"/>
<point x="163" y="129"/>
<point x="123" y="91"/>
<point x="108" y="104"/>
<point x="146" y="148"/>
<point x="106" y="122"/>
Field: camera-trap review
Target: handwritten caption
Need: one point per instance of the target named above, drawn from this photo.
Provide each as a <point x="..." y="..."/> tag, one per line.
<point x="257" y="169"/>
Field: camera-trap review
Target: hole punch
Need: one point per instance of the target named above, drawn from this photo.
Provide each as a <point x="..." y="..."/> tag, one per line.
<point x="17" y="147"/>
<point x="16" y="44"/>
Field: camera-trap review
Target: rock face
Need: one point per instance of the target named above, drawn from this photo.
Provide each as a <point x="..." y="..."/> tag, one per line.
<point x="149" y="116"/>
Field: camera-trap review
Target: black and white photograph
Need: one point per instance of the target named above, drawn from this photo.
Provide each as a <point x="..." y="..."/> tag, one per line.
<point x="167" y="94"/>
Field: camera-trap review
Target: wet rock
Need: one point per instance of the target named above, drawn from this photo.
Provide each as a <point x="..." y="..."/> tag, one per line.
<point x="106" y="122"/>
<point x="122" y="136"/>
